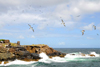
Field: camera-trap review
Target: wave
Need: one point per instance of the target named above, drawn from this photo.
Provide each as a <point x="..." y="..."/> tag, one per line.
<point x="69" y="57"/>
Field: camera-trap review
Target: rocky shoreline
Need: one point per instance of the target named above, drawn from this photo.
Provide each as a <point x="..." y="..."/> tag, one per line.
<point x="26" y="52"/>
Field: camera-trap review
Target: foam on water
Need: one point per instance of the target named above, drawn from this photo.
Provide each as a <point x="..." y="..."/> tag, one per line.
<point x="69" y="57"/>
<point x="17" y="62"/>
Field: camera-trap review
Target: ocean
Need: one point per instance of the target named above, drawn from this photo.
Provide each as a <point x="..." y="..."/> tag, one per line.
<point x="68" y="61"/>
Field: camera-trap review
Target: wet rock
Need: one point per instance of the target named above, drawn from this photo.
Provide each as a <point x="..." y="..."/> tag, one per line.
<point x="91" y="55"/>
<point x="35" y="56"/>
<point x="0" y="62"/>
<point x="57" y="54"/>
<point x="25" y="54"/>
<point x="72" y="54"/>
<point x="5" y="62"/>
<point x="82" y="54"/>
<point x="7" y="56"/>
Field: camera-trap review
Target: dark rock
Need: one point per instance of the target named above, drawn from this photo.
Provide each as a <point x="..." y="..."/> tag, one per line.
<point x="25" y="54"/>
<point x="35" y="56"/>
<point x="56" y="54"/>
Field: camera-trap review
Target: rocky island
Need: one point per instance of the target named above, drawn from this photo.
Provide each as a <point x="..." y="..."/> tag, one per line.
<point x="12" y="51"/>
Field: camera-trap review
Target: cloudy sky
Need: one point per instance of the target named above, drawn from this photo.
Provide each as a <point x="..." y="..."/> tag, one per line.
<point x="45" y="18"/>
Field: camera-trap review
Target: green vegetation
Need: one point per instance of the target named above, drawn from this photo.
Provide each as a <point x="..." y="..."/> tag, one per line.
<point x="13" y="44"/>
<point x="4" y="44"/>
<point x="2" y="39"/>
<point x="33" y="44"/>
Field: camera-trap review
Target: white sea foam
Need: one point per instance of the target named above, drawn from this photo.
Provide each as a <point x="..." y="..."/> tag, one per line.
<point x="94" y="53"/>
<point x="17" y="62"/>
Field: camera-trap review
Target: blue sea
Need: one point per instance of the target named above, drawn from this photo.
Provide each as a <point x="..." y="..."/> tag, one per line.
<point x="68" y="61"/>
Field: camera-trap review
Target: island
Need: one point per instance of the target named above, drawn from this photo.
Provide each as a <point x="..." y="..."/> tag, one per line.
<point x="12" y="51"/>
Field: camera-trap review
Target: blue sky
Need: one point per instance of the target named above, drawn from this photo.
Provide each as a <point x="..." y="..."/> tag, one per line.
<point x="45" y="18"/>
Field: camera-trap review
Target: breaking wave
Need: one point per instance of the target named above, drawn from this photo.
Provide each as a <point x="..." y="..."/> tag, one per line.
<point x="93" y="56"/>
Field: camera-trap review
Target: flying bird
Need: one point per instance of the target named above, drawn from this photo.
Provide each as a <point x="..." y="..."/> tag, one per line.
<point x="31" y="28"/>
<point x="98" y="34"/>
<point x="94" y="27"/>
<point x="83" y="32"/>
<point x="63" y="23"/>
<point x="78" y="16"/>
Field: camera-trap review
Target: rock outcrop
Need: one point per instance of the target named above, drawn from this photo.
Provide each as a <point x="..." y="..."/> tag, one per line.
<point x="44" y="48"/>
<point x="26" y="52"/>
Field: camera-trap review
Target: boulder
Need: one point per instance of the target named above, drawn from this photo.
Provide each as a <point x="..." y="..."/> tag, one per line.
<point x="91" y="55"/>
<point x="57" y="54"/>
<point x="35" y="56"/>
<point x="44" y="48"/>
<point x="6" y="41"/>
<point x="7" y="56"/>
<point x="25" y="54"/>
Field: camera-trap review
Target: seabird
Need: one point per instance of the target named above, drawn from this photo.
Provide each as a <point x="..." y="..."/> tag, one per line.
<point x="78" y="16"/>
<point x="31" y="28"/>
<point x="63" y="23"/>
<point x="83" y="32"/>
<point x="94" y="27"/>
<point x="98" y="34"/>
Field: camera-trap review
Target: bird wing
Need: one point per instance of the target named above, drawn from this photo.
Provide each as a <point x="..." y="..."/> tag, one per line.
<point x="32" y="29"/>
<point x="82" y="33"/>
<point x="62" y="21"/>
<point x="29" y="25"/>
<point x="95" y="27"/>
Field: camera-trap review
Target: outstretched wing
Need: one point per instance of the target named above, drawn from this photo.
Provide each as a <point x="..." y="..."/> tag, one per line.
<point x="82" y="33"/>
<point x="62" y="21"/>
<point x="29" y="25"/>
<point x="95" y="28"/>
<point x="32" y="29"/>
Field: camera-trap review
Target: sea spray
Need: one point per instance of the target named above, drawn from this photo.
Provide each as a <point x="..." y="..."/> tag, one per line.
<point x="45" y="59"/>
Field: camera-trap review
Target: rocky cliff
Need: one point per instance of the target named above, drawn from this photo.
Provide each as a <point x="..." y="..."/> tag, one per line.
<point x="27" y="52"/>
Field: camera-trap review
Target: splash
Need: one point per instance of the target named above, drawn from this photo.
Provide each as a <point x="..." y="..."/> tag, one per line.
<point x="69" y="57"/>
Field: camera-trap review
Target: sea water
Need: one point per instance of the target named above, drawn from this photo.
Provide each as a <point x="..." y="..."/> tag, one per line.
<point x="68" y="61"/>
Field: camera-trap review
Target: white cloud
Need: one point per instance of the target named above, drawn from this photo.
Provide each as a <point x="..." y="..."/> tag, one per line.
<point x="87" y="27"/>
<point x="68" y="10"/>
<point x="62" y="43"/>
<point x="6" y="34"/>
<point x="90" y="38"/>
<point x="98" y="26"/>
<point x="32" y="36"/>
<point x="21" y="37"/>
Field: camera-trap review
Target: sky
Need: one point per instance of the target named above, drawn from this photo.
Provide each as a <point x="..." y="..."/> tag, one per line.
<point x="45" y="17"/>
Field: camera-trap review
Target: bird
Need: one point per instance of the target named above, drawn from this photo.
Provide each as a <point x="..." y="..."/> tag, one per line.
<point x="78" y="16"/>
<point x="98" y="34"/>
<point x="94" y="27"/>
<point x="31" y="28"/>
<point x="83" y="32"/>
<point x="63" y="23"/>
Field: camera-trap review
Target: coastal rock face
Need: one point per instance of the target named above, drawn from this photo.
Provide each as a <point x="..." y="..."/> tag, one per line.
<point x="44" y="48"/>
<point x="22" y="53"/>
<point x="7" y="56"/>
<point x="27" y="53"/>
<point x="3" y="50"/>
<point x="40" y="49"/>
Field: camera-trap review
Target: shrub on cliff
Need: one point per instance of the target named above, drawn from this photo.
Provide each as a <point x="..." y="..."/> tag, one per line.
<point x="2" y="39"/>
<point x="13" y="44"/>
